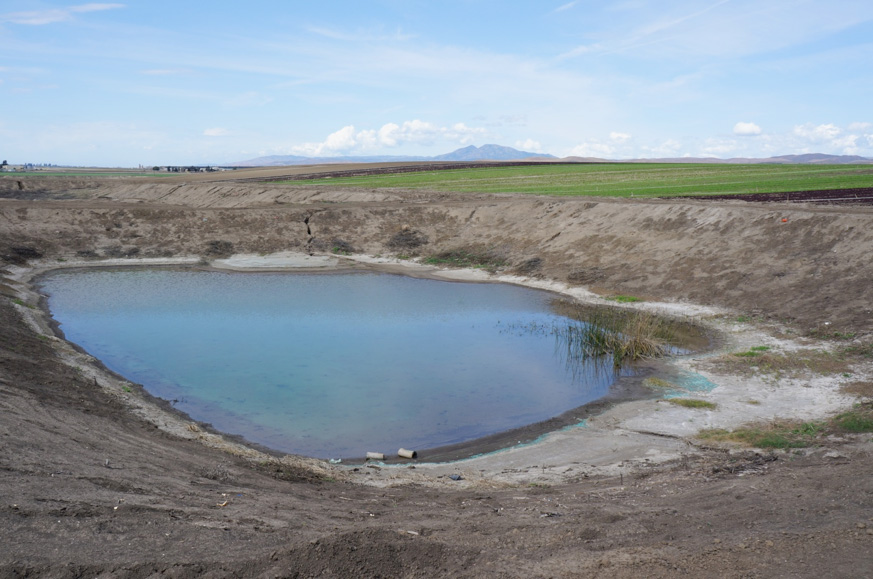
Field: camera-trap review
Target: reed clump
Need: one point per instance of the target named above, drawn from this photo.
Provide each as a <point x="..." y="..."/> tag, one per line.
<point x="623" y="335"/>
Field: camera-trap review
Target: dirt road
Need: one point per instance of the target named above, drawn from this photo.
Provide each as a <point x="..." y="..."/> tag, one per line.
<point x="89" y="486"/>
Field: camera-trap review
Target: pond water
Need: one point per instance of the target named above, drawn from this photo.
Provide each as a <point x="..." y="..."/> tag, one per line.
<point x="328" y="365"/>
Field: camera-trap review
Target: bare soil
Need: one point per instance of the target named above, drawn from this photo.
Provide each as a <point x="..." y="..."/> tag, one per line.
<point x="853" y="196"/>
<point x="90" y="488"/>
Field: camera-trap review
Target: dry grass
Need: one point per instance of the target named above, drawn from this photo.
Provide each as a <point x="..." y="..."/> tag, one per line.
<point x="859" y="388"/>
<point x="626" y="336"/>
<point x="692" y="403"/>
<point x="489" y="259"/>
<point x="659" y="384"/>
<point x="795" y="434"/>
<point x="782" y="364"/>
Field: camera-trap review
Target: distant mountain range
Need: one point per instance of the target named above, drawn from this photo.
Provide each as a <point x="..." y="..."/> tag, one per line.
<point x="500" y="153"/>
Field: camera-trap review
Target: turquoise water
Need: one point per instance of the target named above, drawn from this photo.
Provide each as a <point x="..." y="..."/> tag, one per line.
<point x="328" y="365"/>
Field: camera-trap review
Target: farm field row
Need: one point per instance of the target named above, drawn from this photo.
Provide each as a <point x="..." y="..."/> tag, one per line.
<point x="619" y="179"/>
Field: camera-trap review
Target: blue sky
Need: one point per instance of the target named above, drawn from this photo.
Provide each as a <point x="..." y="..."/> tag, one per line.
<point x="159" y="82"/>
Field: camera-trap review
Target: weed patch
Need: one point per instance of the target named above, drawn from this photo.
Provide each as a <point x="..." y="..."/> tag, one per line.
<point x="692" y="403"/>
<point x="859" y="419"/>
<point x="477" y="259"/>
<point x="792" y="364"/>
<point x="794" y="434"/>
<point x="861" y="389"/>
<point x="624" y="299"/>
<point x="658" y="384"/>
<point x="860" y="351"/>
<point x="341" y="247"/>
<point x="624" y="335"/>
<point x="407" y="239"/>
<point x="779" y="434"/>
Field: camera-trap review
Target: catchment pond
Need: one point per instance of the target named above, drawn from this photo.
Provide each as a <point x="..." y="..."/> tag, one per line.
<point x="331" y="365"/>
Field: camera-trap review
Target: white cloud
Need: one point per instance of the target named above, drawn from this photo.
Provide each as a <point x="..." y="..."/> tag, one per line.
<point x="593" y="149"/>
<point x="529" y="145"/>
<point x="747" y="129"/>
<point x="860" y="126"/>
<point x="566" y="6"/>
<point x="348" y="139"/>
<point x="618" y="145"/>
<point x="719" y="147"/>
<point x="216" y="132"/>
<point x="619" y="137"/>
<point x="667" y="148"/>
<point x="830" y="138"/>
<point x="42" y="17"/>
<point x="817" y="133"/>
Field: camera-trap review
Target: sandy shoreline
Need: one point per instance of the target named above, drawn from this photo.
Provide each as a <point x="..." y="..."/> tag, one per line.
<point x="616" y="435"/>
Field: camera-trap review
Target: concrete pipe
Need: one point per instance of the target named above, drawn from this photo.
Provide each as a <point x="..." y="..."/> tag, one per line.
<point x="375" y="456"/>
<point x="403" y="453"/>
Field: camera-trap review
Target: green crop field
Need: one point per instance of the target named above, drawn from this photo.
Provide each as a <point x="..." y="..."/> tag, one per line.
<point x="621" y="179"/>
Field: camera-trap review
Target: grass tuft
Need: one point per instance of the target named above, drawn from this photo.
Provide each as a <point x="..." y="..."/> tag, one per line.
<point x="692" y="403"/>
<point x="659" y="384"/>
<point x="626" y="336"/>
<point x="467" y="258"/>
<point x="624" y="299"/>
<point x="859" y="419"/>
<point x="791" y="364"/>
<point x="795" y="434"/>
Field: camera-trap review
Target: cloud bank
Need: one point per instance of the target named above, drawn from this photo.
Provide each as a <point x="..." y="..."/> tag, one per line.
<point x="349" y="140"/>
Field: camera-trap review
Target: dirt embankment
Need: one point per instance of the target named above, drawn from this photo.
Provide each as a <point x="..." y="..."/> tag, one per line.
<point x="88" y="489"/>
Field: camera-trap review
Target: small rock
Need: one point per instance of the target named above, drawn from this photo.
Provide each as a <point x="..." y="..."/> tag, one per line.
<point x="862" y="525"/>
<point x="768" y="543"/>
<point x="834" y="454"/>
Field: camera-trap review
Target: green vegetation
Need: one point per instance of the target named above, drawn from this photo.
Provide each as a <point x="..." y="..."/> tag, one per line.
<point x="624" y="299"/>
<point x="22" y="303"/>
<point x="752" y="352"/>
<point x="856" y="420"/>
<point x="483" y="259"/>
<point x="820" y="334"/>
<point x="861" y="351"/>
<point x="794" y="434"/>
<point x="621" y="179"/>
<point x="692" y="403"/>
